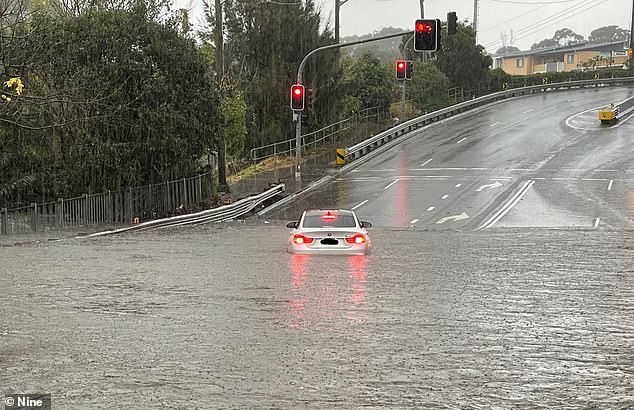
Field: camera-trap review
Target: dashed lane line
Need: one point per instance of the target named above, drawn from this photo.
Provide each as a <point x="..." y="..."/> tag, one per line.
<point x="426" y="162"/>
<point x="392" y="183"/>
<point x="413" y="221"/>
<point x="596" y="222"/>
<point x="461" y="140"/>
<point x="359" y="205"/>
<point x="610" y="185"/>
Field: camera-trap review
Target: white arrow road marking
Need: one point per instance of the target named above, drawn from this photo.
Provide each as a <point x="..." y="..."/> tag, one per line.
<point x="453" y="218"/>
<point x="357" y="206"/>
<point x="494" y="185"/>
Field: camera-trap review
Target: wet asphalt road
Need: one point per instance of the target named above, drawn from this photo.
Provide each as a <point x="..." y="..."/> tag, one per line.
<point x="470" y="169"/>
<point x="223" y="317"/>
<point x="534" y="310"/>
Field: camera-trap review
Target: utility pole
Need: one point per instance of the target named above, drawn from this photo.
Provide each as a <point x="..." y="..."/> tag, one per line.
<point x="220" y="73"/>
<point x="338" y="4"/>
<point x="476" y="5"/>
<point x="631" y="40"/>
<point x="422" y="9"/>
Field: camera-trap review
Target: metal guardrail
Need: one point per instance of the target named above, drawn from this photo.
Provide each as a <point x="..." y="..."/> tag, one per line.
<point x="220" y="214"/>
<point x="358" y="150"/>
<point x="315" y="137"/>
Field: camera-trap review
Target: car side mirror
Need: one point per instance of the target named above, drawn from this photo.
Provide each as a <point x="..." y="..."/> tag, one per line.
<point x="365" y="224"/>
<point x="291" y="225"/>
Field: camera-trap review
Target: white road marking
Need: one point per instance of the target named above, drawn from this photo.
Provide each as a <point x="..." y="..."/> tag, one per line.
<point x="565" y="179"/>
<point x="495" y="123"/>
<point x="412" y="222"/>
<point x="610" y="185"/>
<point x="458" y="185"/>
<point x="453" y="218"/>
<point x="431" y="208"/>
<point x="357" y="206"/>
<point x="606" y="170"/>
<point x="527" y="111"/>
<point x="540" y="178"/>
<point x="522" y="169"/>
<point x="594" y="179"/>
<point x="596" y="222"/>
<point x="581" y="113"/>
<point x="445" y="196"/>
<point x="449" y="169"/>
<point x="426" y="162"/>
<point x="461" y="140"/>
<point x="391" y="183"/>
<point x="494" y="185"/>
<point x="507" y="207"/>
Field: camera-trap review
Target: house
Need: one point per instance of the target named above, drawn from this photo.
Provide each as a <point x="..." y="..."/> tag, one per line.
<point x="577" y="56"/>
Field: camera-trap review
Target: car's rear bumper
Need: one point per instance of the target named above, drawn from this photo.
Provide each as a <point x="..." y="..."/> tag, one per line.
<point x="362" y="249"/>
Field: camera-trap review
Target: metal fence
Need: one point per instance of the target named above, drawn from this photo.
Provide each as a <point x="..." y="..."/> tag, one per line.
<point x="310" y="140"/>
<point x="111" y="207"/>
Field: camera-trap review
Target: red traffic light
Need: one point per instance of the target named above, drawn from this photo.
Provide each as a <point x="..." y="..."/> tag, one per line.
<point x="423" y="28"/>
<point x="297" y="97"/>
<point x="427" y="35"/>
<point x="400" y="70"/>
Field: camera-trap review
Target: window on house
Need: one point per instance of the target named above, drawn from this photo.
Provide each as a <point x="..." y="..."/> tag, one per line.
<point x="519" y="62"/>
<point x="571" y="58"/>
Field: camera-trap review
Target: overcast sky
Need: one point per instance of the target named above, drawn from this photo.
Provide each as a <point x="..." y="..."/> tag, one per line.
<point x="531" y="20"/>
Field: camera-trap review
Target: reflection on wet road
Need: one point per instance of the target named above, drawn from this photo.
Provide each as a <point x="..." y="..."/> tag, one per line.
<point x="223" y="317"/>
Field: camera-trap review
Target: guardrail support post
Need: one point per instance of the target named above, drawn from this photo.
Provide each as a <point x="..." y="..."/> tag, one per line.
<point x="3" y="221"/>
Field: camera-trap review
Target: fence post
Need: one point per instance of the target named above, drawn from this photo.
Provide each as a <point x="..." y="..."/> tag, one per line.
<point x="3" y="221"/>
<point x="185" y="193"/>
<point x="85" y="210"/>
<point x="149" y="199"/>
<point x="167" y="197"/>
<point x="34" y="217"/>
<point x="130" y="205"/>
<point x="109" y="208"/>
<point x="59" y="212"/>
<point x="200" y="188"/>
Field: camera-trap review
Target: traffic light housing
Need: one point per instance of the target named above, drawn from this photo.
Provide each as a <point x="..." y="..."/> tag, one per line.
<point x="297" y="97"/>
<point x="427" y="34"/>
<point x="401" y="70"/>
<point x="452" y="23"/>
<point x="409" y="70"/>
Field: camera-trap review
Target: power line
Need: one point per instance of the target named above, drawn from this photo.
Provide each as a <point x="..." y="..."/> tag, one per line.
<point x="556" y="19"/>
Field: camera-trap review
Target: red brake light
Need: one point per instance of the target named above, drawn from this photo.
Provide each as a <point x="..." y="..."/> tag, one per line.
<point x="301" y="239"/>
<point x="329" y="216"/>
<point x="358" y="238"/>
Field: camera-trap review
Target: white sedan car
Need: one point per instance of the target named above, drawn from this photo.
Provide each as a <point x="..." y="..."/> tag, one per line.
<point x="333" y="232"/>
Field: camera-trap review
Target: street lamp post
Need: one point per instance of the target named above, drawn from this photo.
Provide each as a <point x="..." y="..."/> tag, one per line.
<point x="338" y="4"/>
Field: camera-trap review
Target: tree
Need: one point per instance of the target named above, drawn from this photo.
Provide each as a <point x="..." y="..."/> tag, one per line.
<point x="548" y="42"/>
<point x="368" y="81"/>
<point x="115" y="99"/>
<point x="609" y="34"/>
<point x="507" y="50"/>
<point x="428" y="87"/>
<point x="565" y="36"/>
<point x="464" y="62"/>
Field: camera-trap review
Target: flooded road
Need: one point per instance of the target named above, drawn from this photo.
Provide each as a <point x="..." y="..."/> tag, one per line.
<point x="222" y="317"/>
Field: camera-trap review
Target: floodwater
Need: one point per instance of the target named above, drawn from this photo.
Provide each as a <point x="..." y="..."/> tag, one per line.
<point x="222" y="317"/>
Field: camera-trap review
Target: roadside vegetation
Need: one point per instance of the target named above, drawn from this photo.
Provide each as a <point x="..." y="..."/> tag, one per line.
<point x="100" y="96"/>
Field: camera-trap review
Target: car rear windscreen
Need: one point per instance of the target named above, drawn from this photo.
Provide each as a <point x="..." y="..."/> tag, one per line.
<point x="338" y="221"/>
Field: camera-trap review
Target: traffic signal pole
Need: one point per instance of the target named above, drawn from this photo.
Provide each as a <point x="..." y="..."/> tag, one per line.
<point x="300" y="76"/>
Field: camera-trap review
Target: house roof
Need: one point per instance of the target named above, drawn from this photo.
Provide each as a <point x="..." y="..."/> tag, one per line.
<point x="619" y="45"/>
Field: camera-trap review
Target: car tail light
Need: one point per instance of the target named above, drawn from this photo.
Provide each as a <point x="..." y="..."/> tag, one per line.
<point x="358" y="238"/>
<point x="329" y="216"/>
<point x="301" y="239"/>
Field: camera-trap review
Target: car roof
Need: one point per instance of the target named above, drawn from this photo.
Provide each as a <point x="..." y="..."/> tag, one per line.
<point x="311" y="212"/>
